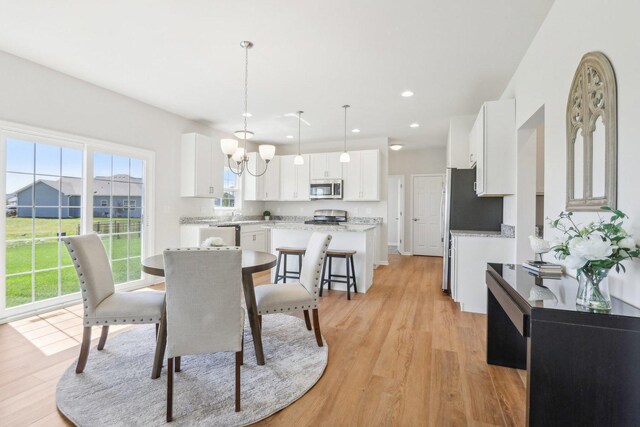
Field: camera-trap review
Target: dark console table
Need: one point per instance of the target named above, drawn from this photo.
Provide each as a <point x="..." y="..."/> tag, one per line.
<point x="583" y="368"/>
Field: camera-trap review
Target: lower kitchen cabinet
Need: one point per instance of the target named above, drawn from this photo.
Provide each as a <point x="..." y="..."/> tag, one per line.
<point x="254" y="237"/>
<point x="469" y="258"/>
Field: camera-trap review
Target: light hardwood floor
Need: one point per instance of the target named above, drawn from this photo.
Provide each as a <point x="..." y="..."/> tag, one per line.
<point x="403" y="354"/>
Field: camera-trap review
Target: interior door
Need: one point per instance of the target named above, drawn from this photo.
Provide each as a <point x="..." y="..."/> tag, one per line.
<point x="427" y="203"/>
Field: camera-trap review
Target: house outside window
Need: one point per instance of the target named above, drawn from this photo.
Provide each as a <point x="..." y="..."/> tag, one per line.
<point x="50" y="194"/>
<point x="231" y="198"/>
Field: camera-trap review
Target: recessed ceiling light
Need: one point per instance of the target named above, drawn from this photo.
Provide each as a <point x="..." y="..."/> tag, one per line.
<point x="355" y="130"/>
<point x="396" y="147"/>
<point x="407" y="93"/>
<point x="247" y="115"/>
<point x="414" y="125"/>
<point x="289" y="136"/>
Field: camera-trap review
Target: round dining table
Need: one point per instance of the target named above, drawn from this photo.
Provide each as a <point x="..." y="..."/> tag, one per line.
<point x="252" y="262"/>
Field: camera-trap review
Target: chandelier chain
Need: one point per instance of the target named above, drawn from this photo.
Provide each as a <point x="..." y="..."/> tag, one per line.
<point x="246" y="91"/>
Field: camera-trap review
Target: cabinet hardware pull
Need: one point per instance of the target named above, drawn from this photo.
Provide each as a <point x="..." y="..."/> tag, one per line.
<point x="475" y="186"/>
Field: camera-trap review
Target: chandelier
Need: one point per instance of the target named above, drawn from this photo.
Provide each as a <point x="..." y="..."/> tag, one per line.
<point x="230" y="146"/>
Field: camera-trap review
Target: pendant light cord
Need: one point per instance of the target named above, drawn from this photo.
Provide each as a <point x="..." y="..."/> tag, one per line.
<point x="246" y="90"/>
<point x="299" y="120"/>
<point x="345" y="127"/>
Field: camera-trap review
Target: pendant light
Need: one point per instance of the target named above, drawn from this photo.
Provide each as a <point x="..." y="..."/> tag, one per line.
<point x="344" y="157"/>
<point x="230" y="146"/>
<point x="299" y="160"/>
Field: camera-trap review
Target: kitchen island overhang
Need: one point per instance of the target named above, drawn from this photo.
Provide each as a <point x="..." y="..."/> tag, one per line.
<point x="356" y="237"/>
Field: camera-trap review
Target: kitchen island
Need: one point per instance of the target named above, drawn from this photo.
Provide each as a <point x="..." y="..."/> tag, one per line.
<point x="357" y="237"/>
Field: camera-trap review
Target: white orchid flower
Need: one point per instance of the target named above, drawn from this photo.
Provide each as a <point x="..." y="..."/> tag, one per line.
<point x="575" y="262"/>
<point x="591" y="248"/>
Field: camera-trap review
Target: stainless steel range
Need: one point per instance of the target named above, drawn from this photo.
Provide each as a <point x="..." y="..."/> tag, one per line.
<point x="328" y="217"/>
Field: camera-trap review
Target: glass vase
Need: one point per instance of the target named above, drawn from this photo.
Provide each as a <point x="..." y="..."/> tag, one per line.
<point x="593" y="289"/>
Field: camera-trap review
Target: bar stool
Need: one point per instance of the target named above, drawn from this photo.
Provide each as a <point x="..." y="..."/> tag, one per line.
<point x="349" y="278"/>
<point x="288" y="274"/>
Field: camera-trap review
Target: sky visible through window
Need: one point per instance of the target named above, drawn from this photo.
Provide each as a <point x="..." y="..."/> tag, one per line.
<point x="24" y="159"/>
<point x="28" y="161"/>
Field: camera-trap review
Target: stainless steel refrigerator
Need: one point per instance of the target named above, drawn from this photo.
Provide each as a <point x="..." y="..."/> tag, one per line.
<point x="464" y="210"/>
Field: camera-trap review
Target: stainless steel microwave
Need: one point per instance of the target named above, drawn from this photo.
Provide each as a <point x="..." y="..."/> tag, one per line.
<point x="326" y="189"/>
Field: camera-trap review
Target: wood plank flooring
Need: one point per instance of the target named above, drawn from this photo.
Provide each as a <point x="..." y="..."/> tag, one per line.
<point x="401" y="355"/>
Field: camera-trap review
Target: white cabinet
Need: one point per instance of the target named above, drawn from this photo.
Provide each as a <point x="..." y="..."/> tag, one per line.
<point x="458" y="142"/>
<point x="272" y="180"/>
<point x="294" y="179"/>
<point x="325" y="166"/>
<point x="475" y="138"/>
<point x="263" y="187"/>
<point x="492" y="148"/>
<point x="469" y="258"/>
<point x="253" y="237"/>
<point x="201" y="167"/>
<point x="362" y="176"/>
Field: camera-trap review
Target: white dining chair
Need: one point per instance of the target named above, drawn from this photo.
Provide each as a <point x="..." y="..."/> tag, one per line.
<point x="204" y="313"/>
<point x="302" y="295"/>
<point x="227" y="234"/>
<point x="103" y="306"/>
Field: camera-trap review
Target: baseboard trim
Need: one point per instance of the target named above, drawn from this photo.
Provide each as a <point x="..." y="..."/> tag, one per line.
<point x="406" y="253"/>
<point x="383" y="262"/>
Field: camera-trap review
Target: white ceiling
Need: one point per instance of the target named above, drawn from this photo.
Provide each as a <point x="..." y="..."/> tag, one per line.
<point x="184" y="57"/>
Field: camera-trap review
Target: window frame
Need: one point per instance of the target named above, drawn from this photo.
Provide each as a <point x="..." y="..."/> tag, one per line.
<point x="88" y="146"/>
<point x="238" y="194"/>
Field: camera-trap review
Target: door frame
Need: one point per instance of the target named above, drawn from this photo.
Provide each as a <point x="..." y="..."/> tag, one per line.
<point x="402" y="213"/>
<point x="421" y="175"/>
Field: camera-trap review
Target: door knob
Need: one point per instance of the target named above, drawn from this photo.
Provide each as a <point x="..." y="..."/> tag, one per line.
<point x="415" y="219"/>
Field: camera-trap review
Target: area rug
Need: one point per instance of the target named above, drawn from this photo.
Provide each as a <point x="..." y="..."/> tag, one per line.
<point x="116" y="388"/>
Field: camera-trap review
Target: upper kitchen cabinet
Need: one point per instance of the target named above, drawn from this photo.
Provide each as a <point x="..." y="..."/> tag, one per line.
<point x="201" y="167"/>
<point x="271" y="180"/>
<point x="458" y="155"/>
<point x="263" y="187"/>
<point x="325" y="166"/>
<point x="294" y="179"/>
<point x="362" y="176"/>
<point x="492" y="148"/>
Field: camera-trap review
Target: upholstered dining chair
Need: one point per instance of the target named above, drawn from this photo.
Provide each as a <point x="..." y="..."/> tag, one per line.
<point x="302" y="295"/>
<point x="204" y="313"/>
<point x="103" y="306"/>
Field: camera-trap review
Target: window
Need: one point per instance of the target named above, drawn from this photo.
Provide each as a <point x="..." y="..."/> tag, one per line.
<point x="120" y="180"/>
<point x="44" y="182"/>
<point x="50" y="193"/>
<point x="231" y="198"/>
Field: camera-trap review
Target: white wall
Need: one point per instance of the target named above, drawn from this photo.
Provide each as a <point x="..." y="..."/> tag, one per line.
<point x="393" y="210"/>
<point x="409" y="162"/>
<point x="38" y="96"/>
<point x="543" y="78"/>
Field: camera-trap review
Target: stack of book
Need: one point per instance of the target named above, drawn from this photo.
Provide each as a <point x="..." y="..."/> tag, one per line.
<point x="542" y="268"/>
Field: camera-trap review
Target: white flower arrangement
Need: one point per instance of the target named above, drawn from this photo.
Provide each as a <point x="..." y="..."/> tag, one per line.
<point x="212" y="242"/>
<point x="600" y="245"/>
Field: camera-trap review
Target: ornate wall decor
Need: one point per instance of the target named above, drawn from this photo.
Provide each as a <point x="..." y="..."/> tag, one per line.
<point x="592" y="123"/>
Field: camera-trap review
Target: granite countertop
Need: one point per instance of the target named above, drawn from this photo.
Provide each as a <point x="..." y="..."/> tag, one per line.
<point x="475" y="233"/>
<point x="350" y="228"/>
<point x="256" y="219"/>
